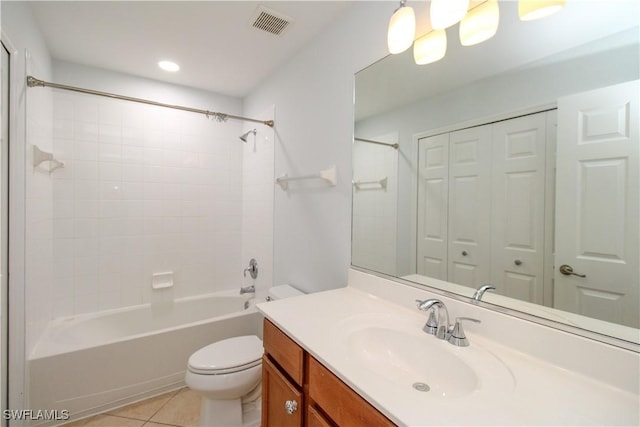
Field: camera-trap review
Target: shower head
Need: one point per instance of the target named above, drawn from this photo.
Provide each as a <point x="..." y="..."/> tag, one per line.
<point x="245" y="135"/>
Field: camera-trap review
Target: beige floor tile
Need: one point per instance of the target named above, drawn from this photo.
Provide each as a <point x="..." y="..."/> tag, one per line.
<point x="151" y="424"/>
<point x="182" y="410"/>
<point x="145" y="409"/>
<point x="76" y="423"/>
<point x="111" y="421"/>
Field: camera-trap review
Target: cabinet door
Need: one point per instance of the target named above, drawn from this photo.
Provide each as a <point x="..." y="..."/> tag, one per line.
<point x="316" y="419"/>
<point x="282" y="403"/>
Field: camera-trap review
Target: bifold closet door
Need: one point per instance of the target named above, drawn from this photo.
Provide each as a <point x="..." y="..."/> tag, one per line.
<point x="433" y="203"/>
<point x="469" y="218"/>
<point x="518" y="207"/>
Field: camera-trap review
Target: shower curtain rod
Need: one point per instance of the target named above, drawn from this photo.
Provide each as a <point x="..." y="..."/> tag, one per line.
<point x="395" y="146"/>
<point x="221" y="117"/>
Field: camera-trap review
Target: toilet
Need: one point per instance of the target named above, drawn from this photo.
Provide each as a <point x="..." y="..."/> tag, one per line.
<point x="227" y="374"/>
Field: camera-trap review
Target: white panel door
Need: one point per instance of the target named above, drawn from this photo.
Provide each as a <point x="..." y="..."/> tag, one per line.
<point x="470" y="206"/>
<point x="518" y="208"/>
<point x="597" y="200"/>
<point x="433" y="201"/>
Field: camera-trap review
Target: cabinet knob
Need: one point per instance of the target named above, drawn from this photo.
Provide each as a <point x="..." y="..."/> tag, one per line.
<point x="291" y="406"/>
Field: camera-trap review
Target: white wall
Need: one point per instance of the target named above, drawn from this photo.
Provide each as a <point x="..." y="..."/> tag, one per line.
<point x="30" y="55"/>
<point x="313" y="94"/>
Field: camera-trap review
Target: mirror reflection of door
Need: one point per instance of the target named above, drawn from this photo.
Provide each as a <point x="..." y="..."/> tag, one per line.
<point x="598" y="204"/>
<point x="482" y="206"/>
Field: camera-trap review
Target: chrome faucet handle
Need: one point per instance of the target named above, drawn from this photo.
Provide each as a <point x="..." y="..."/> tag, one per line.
<point x="252" y="269"/>
<point x="457" y="336"/>
<point x="431" y="327"/>
<point x="440" y="326"/>
<point x="477" y="295"/>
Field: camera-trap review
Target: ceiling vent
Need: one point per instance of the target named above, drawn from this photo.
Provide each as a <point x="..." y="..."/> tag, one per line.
<point x="270" y="21"/>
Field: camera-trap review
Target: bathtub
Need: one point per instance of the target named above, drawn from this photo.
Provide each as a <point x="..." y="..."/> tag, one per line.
<point x="90" y="363"/>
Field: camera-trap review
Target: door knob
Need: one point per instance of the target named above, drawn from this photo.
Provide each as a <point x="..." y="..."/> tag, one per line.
<point x="567" y="270"/>
<point x="291" y="406"/>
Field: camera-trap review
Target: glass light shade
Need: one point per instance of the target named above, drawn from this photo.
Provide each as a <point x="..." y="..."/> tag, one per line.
<point x="169" y="66"/>
<point x="402" y="30"/>
<point x="430" y="47"/>
<point x="528" y="10"/>
<point x="445" y="13"/>
<point x="480" y="24"/>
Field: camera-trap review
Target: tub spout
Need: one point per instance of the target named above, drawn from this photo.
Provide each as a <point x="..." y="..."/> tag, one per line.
<point x="248" y="290"/>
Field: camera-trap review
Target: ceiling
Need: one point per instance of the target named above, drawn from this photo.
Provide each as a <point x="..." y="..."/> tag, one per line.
<point x="213" y="41"/>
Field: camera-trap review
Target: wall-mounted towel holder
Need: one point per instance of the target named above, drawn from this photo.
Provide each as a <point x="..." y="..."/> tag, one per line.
<point x="329" y="175"/>
<point x="40" y="157"/>
<point x="358" y="185"/>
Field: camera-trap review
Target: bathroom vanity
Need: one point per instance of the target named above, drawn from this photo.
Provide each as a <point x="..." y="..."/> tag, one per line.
<point x="358" y="356"/>
<point x="296" y="387"/>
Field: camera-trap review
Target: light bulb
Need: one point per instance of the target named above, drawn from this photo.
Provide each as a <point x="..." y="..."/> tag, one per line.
<point x="430" y="47"/>
<point x="529" y="10"/>
<point x="445" y="13"/>
<point x="480" y="24"/>
<point x="169" y="66"/>
<point x="402" y="29"/>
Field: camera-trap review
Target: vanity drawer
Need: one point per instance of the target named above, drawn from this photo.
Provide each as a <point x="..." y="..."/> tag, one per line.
<point x="284" y="351"/>
<point x="339" y="401"/>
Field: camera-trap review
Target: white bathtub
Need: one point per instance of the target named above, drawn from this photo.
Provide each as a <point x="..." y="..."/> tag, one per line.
<point x="91" y="363"/>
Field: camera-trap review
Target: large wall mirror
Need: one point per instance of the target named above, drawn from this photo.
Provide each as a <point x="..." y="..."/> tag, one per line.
<point x="514" y="163"/>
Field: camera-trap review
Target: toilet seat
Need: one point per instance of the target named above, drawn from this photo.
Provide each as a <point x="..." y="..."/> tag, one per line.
<point x="227" y="356"/>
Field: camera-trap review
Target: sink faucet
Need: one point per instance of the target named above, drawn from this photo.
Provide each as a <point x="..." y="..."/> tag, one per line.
<point x="477" y="295"/>
<point x="439" y="328"/>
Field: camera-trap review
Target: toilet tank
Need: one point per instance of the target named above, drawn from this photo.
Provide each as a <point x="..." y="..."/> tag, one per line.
<point x="283" y="291"/>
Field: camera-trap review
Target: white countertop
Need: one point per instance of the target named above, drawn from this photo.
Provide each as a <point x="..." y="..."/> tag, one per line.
<point x="541" y="394"/>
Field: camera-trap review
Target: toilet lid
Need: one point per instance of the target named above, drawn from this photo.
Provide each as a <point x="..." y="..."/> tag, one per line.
<point x="226" y="356"/>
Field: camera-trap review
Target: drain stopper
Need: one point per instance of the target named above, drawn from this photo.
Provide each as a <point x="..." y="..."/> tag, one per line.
<point x="421" y="387"/>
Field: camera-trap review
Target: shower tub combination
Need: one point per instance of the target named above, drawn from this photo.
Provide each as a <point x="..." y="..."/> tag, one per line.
<point x="90" y="363"/>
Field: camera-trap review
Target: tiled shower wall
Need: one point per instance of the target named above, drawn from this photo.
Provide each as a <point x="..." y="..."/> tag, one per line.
<point x="375" y="206"/>
<point x="144" y="190"/>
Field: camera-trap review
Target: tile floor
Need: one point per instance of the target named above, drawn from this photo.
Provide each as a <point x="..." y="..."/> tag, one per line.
<point x="178" y="408"/>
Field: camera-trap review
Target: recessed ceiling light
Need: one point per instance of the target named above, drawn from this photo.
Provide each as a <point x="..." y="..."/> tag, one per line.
<point x="168" y="66"/>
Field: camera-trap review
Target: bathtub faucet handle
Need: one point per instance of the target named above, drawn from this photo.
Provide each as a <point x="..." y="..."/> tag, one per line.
<point x="248" y="290"/>
<point x="252" y="269"/>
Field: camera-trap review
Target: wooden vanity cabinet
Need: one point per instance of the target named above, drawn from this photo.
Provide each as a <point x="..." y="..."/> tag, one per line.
<point x="321" y="399"/>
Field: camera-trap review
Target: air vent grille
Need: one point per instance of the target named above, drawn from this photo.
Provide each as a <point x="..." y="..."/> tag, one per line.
<point x="271" y="21"/>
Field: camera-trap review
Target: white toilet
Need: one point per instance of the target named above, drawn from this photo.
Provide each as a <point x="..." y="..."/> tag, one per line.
<point x="228" y="373"/>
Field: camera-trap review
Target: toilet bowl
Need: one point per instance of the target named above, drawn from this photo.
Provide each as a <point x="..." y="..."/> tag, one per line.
<point x="223" y="373"/>
<point x="228" y="374"/>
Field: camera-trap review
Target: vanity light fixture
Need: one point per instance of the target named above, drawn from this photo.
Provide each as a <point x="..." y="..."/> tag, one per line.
<point x="445" y="13"/>
<point x="430" y="48"/>
<point x="402" y="29"/>
<point x="529" y="10"/>
<point x="169" y="66"/>
<point x="480" y="23"/>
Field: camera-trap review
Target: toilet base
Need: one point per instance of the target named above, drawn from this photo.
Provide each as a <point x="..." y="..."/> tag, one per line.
<point x="214" y="413"/>
<point x="228" y="413"/>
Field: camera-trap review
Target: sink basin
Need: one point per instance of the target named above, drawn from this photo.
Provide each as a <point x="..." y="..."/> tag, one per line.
<point x="400" y="354"/>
